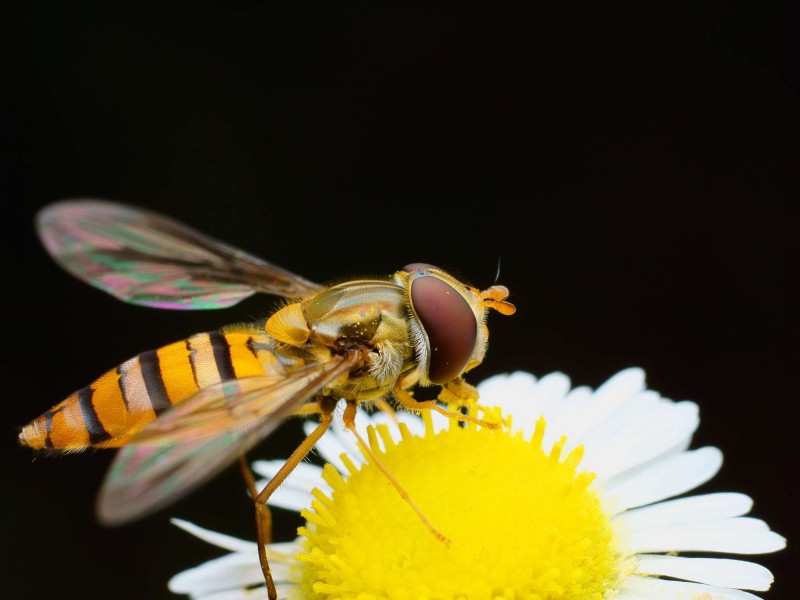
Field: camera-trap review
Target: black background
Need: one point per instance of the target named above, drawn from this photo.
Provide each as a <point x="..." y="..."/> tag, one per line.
<point x="633" y="168"/>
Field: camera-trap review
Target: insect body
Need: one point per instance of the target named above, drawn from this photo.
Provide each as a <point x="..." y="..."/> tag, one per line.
<point x="184" y="412"/>
<point x="109" y="412"/>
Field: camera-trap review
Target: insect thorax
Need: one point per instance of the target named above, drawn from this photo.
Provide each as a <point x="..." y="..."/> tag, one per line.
<point x="371" y="313"/>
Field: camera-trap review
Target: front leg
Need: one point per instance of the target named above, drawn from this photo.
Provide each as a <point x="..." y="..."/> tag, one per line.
<point x="407" y="401"/>
<point x="458" y="393"/>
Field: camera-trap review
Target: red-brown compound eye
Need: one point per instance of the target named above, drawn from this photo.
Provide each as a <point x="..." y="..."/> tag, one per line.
<point x="449" y="323"/>
<point x="416" y="267"/>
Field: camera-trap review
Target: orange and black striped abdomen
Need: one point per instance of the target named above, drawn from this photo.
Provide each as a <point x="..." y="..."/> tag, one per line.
<point x="111" y="410"/>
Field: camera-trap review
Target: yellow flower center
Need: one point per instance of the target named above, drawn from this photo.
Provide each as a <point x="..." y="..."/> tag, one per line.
<point x="523" y="523"/>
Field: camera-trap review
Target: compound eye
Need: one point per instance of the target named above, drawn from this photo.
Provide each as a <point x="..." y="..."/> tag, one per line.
<point x="416" y="267"/>
<point x="450" y="324"/>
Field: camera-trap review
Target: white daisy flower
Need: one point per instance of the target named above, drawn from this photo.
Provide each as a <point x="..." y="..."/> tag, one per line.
<point x="577" y="498"/>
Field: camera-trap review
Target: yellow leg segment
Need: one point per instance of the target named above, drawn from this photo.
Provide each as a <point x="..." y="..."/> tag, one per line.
<point x="325" y="407"/>
<point x="408" y="402"/>
<point x="350" y="425"/>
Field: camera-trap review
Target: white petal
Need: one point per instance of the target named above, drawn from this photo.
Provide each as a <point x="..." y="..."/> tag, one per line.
<point x="304" y="476"/>
<point x="551" y="390"/>
<point x="654" y="589"/>
<point x="548" y="400"/>
<point x="507" y="389"/>
<point x="440" y="422"/>
<point x="660" y="431"/>
<point x="295" y="492"/>
<point x="624" y="383"/>
<point x="337" y="440"/>
<point x="520" y="395"/>
<point x="595" y="432"/>
<point x="237" y="594"/>
<point x="220" y="540"/>
<point x="513" y="392"/>
<point x="291" y="498"/>
<point x="331" y="447"/>
<point x="573" y="411"/>
<point x="662" y="479"/>
<point x="226" y="572"/>
<point x="609" y="398"/>
<point x="722" y="572"/>
<point x="740" y="535"/>
<point x="687" y="510"/>
<point x="238" y="569"/>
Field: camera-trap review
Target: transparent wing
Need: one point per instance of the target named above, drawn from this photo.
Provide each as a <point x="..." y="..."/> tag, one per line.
<point x="145" y="258"/>
<point x="195" y="440"/>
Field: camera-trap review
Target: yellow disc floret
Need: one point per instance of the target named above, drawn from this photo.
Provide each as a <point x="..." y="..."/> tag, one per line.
<point x="522" y="523"/>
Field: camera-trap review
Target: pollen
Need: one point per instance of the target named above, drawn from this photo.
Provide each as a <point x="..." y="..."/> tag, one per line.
<point x="523" y="522"/>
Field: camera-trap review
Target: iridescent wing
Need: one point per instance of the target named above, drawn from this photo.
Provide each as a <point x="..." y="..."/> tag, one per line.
<point x="198" y="438"/>
<point x="146" y="258"/>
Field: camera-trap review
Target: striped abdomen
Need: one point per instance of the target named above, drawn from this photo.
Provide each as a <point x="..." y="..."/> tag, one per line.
<point x="108" y="412"/>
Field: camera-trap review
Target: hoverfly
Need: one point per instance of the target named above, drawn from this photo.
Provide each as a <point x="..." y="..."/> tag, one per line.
<point x="182" y="413"/>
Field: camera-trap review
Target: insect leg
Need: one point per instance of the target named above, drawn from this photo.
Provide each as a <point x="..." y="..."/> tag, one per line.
<point x="382" y="405"/>
<point x="407" y="401"/>
<point x="326" y="406"/>
<point x="458" y="392"/>
<point x="310" y="408"/>
<point x="349" y="419"/>
<point x="265" y="526"/>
